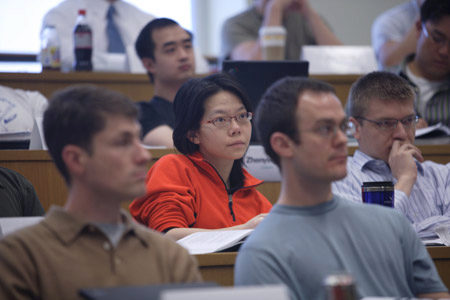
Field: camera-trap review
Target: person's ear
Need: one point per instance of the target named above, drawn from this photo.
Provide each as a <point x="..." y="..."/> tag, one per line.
<point x="418" y="28"/>
<point x="193" y="137"/>
<point x="282" y="144"/>
<point x="357" y="126"/>
<point x="75" y="159"/>
<point x="149" y="64"/>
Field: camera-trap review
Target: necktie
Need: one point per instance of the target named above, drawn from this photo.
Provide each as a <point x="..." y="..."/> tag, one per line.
<point x="115" y="43"/>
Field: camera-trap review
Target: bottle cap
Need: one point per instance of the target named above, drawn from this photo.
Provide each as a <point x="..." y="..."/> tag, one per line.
<point x="82" y="12"/>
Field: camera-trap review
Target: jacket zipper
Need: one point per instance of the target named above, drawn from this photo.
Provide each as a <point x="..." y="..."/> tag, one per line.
<point x="230" y="205"/>
<point x="230" y="195"/>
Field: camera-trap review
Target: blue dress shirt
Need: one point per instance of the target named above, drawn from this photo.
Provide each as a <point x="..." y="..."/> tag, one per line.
<point x="428" y="205"/>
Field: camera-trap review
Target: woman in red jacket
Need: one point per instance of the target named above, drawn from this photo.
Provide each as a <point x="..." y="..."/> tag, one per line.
<point x="205" y="187"/>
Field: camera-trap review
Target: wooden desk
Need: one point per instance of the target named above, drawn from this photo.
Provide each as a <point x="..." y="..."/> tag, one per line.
<point x="219" y="267"/>
<point x="135" y="86"/>
<point x="341" y="83"/>
<point x="441" y="258"/>
<point x="37" y="166"/>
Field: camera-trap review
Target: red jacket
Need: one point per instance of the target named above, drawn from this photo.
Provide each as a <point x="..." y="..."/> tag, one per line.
<point x="186" y="191"/>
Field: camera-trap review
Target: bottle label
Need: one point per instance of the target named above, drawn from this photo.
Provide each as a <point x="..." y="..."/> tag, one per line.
<point x="50" y="57"/>
<point x="83" y="40"/>
<point x="55" y="61"/>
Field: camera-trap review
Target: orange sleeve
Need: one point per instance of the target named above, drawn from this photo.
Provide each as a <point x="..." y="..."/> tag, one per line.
<point x="266" y="206"/>
<point x="170" y="197"/>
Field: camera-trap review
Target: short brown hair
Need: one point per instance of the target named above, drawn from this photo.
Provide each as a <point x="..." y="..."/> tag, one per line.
<point x="377" y="85"/>
<point x="75" y="114"/>
<point x="277" y="108"/>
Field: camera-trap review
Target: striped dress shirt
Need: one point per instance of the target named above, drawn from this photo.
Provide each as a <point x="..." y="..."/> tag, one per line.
<point x="428" y="205"/>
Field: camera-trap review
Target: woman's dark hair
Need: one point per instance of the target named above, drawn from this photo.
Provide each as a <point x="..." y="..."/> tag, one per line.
<point x="189" y="107"/>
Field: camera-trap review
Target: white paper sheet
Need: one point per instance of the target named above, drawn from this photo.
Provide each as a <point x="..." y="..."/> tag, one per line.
<point x="439" y="128"/>
<point x="212" y="241"/>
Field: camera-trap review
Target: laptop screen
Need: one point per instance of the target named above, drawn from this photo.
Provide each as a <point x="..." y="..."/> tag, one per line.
<point x="256" y="76"/>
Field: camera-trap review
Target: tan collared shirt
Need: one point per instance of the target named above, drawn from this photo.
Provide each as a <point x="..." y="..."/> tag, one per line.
<point x="60" y="255"/>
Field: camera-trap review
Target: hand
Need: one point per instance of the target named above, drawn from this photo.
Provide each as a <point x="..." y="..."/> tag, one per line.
<point x="274" y="10"/>
<point x="302" y="6"/>
<point x="283" y="6"/>
<point x="402" y="164"/>
<point x="253" y="222"/>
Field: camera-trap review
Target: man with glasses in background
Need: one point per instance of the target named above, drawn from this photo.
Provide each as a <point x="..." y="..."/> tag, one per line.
<point x="428" y="70"/>
<point x="381" y="108"/>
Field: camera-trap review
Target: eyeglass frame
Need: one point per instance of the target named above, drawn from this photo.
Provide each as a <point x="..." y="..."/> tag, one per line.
<point x="228" y="119"/>
<point x="346" y="127"/>
<point x="391" y="127"/>
<point x="440" y="42"/>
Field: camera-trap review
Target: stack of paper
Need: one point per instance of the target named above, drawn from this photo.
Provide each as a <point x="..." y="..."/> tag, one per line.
<point x="213" y="241"/>
<point x="443" y="233"/>
<point x="432" y="131"/>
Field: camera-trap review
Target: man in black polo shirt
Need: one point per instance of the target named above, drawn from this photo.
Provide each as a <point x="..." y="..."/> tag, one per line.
<point x="166" y="52"/>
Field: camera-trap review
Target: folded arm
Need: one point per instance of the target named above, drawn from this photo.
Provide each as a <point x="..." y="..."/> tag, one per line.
<point x="392" y="53"/>
<point x="273" y="14"/>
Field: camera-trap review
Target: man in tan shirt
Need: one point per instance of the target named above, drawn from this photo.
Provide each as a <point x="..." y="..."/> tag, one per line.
<point x="94" y="139"/>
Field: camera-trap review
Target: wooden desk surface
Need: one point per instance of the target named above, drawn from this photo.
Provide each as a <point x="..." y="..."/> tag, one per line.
<point x="219" y="267"/>
<point x="37" y="166"/>
<point x="441" y="258"/>
<point x="135" y="86"/>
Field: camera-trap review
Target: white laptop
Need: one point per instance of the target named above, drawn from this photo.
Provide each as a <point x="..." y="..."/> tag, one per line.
<point x="37" y="140"/>
<point x="263" y="292"/>
<point x="339" y="59"/>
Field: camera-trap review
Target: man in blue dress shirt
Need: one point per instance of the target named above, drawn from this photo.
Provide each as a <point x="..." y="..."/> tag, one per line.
<point x="381" y="108"/>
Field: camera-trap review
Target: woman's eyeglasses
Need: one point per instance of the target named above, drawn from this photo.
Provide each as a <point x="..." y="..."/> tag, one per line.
<point x="225" y="122"/>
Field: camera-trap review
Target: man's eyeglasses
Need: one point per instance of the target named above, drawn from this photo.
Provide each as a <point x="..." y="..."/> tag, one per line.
<point x="225" y="122"/>
<point x="438" y="40"/>
<point x="328" y="130"/>
<point x="391" y="124"/>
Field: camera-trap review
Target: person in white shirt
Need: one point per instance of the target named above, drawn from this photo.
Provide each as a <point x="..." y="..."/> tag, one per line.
<point x="428" y="70"/>
<point x="394" y="34"/>
<point x="18" y="110"/>
<point x="128" y="19"/>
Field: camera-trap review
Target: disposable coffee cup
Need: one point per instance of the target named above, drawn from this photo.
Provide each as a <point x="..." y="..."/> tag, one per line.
<point x="378" y="192"/>
<point x="273" y="40"/>
<point x="340" y="286"/>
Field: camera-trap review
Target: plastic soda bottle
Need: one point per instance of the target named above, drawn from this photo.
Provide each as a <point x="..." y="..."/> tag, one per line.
<point x="50" y="49"/>
<point x="82" y="37"/>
